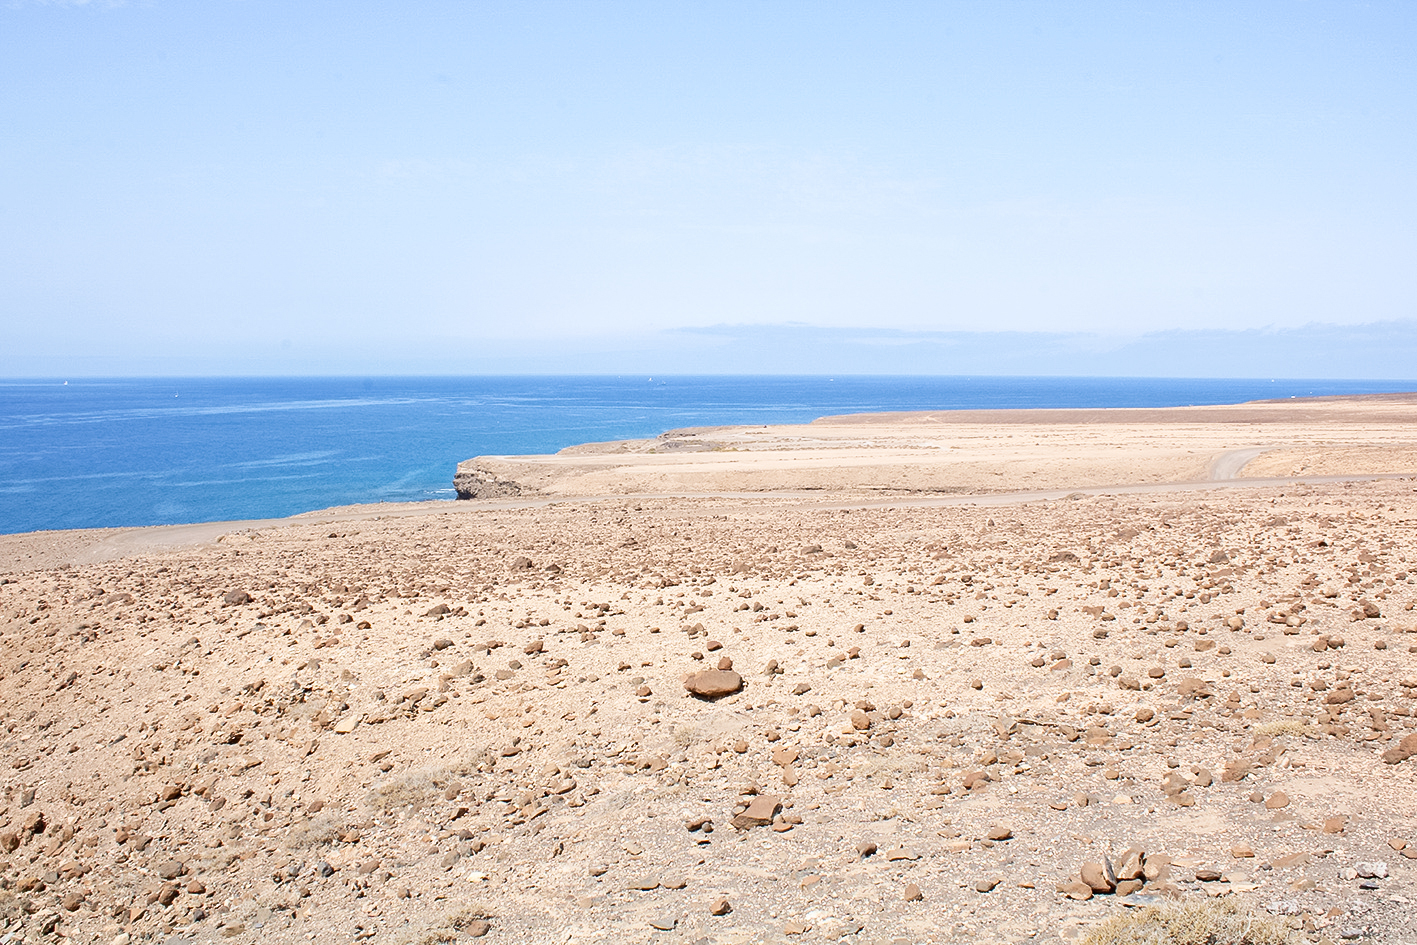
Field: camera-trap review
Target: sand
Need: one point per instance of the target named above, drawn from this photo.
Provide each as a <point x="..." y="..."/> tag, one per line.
<point x="977" y="655"/>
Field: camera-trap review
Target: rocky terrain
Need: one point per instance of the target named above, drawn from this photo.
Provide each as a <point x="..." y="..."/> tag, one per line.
<point x="909" y="722"/>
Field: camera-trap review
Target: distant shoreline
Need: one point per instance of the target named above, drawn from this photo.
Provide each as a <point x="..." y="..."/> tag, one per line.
<point x="917" y="457"/>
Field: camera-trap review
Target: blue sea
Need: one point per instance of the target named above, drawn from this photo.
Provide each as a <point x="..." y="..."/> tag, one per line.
<point x="151" y="451"/>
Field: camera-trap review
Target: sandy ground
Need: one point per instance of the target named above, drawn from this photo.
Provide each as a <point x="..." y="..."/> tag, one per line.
<point x="431" y="723"/>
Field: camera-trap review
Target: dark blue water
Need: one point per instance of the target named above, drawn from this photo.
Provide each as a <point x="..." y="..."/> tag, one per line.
<point x="152" y="451"/>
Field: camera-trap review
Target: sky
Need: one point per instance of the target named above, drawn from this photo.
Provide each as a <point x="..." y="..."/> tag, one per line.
<point x="242" y="186"/>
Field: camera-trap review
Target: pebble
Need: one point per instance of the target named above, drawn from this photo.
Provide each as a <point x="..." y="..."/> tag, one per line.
<point x="720" y="907"/>
<point x="1276" y="801"/>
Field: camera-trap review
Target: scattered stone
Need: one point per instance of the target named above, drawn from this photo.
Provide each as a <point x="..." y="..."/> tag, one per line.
<point x="760" y="812"/>
<point x="1095" y="876"/>
<point x="713" y="683"/>
<point x="1375" y="869"/>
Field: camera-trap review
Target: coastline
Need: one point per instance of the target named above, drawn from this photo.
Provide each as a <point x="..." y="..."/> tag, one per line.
<point x="853" y="460"/>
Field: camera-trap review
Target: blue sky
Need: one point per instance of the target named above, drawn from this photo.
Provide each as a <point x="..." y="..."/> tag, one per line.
<point x="270" y="186"/>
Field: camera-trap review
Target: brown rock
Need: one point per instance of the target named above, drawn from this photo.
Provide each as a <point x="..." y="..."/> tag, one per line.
<point x="1076" y="890"/>
<point x="987" y="885"/>
<point x="1129" y="865"/>
<point x="999" y="833"/>
<point x="1173" y="784"/>
<point x="713" y="683"/>
<point x="1236" y="770"/>
<point x="720" y="907"/>
<point x="913" y="894"/>
<point x="1276" y="801"/>
<point x="761" y="810"/>
<point x="1156" y="867"/>
<point x="1095" y="875"/>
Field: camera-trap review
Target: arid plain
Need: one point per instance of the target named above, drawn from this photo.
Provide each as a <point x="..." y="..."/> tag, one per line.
<point x="983" y="677"/>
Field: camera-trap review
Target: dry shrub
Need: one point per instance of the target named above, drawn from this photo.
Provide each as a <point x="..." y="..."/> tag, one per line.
<point x="414" y="790"/>
<point x="1214" y="922"/>
<point x="1286" y="727"/>
<point x="319" y="831"/>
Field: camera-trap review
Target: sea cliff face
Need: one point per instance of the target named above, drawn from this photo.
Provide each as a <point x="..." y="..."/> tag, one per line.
<point x="473" y="481"/>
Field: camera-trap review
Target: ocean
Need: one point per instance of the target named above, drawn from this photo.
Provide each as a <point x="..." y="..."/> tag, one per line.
<point x="152" y="451"/>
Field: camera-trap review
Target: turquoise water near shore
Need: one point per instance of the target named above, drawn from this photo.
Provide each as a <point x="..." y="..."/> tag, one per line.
<point x="151" y="451"/>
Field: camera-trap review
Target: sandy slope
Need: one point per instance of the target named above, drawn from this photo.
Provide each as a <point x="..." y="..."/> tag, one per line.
<point x="427" y="722"/>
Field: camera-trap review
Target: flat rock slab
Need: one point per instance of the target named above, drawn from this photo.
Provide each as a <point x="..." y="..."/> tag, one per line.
<point x="761" y="810"/>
